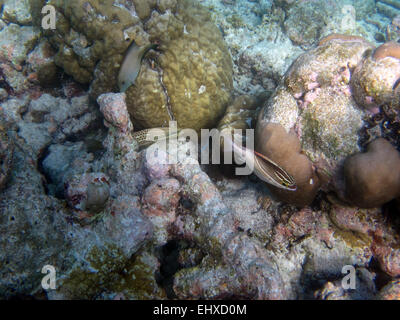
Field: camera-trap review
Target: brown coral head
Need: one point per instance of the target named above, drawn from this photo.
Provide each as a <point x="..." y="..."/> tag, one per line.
<point x="388" y="49"/>
<point x="373" y="178"/>
<point x="284" y="149"/>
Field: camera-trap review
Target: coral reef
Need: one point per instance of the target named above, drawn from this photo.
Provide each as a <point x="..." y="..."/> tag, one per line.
<point x="120" y="222"/>
<point x="189" y="79"/>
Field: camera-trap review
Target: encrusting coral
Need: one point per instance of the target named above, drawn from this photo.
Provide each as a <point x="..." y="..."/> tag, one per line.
<point x="373" y="178"/>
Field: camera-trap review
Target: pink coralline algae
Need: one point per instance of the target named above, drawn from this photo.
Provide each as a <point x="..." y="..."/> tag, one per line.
<point x="161" y="197"/>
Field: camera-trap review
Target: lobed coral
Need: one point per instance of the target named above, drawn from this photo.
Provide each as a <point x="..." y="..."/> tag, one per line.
<point x="373" y="178"/>
<point x="317" y="112"/>
<point x="189" y="78"/>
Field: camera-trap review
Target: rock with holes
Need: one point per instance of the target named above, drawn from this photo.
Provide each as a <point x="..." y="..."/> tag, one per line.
<point x="62" y="162"/>
<point x="50" y="119"/>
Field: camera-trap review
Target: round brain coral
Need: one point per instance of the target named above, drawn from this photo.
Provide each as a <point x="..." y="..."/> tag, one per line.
<point x="373" y="178"/>
<point x="189" y="78"/>
<point x="194" y="80"/>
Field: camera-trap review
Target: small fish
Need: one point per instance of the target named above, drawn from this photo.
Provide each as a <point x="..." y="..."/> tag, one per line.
<point x="131" y="64"/>
<point x="265" y="168"/>
<point x="145" y="138"/>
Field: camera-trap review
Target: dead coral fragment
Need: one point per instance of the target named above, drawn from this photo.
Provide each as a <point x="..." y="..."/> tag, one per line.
<point x="389" y="49"/>
<point x="373" y="178"/>
<point x="284" y="148"/>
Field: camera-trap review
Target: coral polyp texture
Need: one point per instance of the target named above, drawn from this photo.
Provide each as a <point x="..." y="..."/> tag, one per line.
<point x="188" y="78"/>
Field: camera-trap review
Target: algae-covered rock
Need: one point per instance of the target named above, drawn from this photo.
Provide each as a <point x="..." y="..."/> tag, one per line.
<point x="17" y="11"/>
<point x="306" y="20"/>
<point x="16" y="42"/>
<point x="376" y="80"/>
<point x="189" y="77"/>
<point x="316" y="101"/>
<point x="324" y="65"/>
<point x="41" y="61"/>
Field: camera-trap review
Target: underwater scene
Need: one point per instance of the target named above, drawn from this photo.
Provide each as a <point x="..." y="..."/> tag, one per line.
<point x="200" y="149"/>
